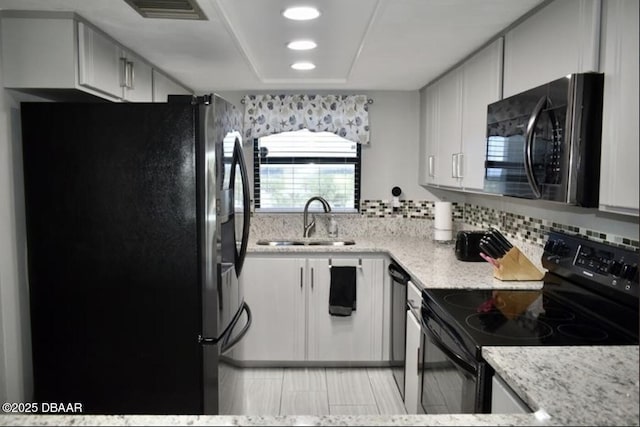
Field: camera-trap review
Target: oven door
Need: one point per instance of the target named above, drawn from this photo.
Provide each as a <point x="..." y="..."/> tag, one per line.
<point x="450" y="384"/>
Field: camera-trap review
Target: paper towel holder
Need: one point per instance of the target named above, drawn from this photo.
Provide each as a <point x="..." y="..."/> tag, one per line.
<point x="443" y="222"/>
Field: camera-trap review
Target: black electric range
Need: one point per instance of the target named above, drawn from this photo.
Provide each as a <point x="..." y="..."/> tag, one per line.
<point x="589" y="297"/>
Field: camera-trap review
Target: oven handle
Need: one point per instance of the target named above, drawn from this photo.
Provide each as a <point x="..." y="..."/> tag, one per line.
<point x="398" y="275"/>
<point x="455" y="336"/>
<point x="455" y="358"/>
<point x="543" y="103"/>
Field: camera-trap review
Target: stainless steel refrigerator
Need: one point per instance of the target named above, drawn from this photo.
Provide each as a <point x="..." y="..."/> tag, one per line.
<point x="137" y="224"/>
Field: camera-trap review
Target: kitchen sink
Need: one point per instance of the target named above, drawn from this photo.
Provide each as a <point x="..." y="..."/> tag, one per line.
<point x="305" y="242"/>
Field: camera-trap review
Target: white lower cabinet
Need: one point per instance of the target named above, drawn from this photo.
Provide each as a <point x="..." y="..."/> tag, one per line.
<point x="274" y="290"/>
<point x="413" y="358"/>
<point x="357" y="337"/>
<point x="289" y="300"/>
<point x="504" y="400"/>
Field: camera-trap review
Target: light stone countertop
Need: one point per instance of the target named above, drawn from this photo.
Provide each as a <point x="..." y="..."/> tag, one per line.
<point x="430" y="264"/>
<point x="564" y="385"/>
<point x="587" y="385"/>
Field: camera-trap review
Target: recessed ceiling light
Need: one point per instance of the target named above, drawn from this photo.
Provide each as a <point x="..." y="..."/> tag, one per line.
<point x="302" y="13"/>
<point x="302" y="45"/>
<point x="303" y="66"/>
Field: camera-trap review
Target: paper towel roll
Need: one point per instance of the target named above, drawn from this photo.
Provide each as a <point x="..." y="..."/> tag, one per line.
<point x="443" y="222"/>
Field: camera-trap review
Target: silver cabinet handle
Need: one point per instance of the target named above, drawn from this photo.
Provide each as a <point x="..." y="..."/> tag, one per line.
<point x="124" y="72"/>
<point x="460" y="158"/>
<point x="431" y="166"/>
<point x="301" y="274"/>
<point x="131" y="74"/>
<point x="311" y="278"/>
<point x="454" y="165"/>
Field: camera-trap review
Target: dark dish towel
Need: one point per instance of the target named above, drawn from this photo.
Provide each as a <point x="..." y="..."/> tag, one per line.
<point x="342" y="292"/>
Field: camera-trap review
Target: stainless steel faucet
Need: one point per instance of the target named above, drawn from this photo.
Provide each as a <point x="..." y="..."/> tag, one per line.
<point x="308" y="227"/>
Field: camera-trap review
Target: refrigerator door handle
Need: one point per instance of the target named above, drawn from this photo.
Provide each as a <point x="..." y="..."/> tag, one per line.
<point x="226" y="334"/>
<point x="227" y="343"/>
<point x="246" y="204"/>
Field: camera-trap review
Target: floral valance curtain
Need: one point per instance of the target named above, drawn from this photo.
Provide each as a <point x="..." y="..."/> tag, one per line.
<point x="344" y="115"/>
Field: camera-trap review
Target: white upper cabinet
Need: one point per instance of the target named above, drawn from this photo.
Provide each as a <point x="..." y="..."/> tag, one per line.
<point x="448" y="137"/>
<point x="137" y="79"/>
<point x="481" y="86"/>
<point x="100" y="62"/>
<point x="423" y="150"/>
<point x="428" y="133"/>
<point x="619" y="63"/>
<point x="107" y="67"/>
<point x="453" y="121"/>
<point x="38" y="53"/>
<point x="50" y="52"/>
<point x="163" y="86"/>
<point x="560" y="39"/>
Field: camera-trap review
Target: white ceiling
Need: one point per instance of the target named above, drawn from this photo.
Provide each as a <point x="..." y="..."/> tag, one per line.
<point x="362" y="44"/>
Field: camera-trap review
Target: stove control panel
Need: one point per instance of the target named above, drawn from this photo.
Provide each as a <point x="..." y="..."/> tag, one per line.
<point x="595" y="263"/>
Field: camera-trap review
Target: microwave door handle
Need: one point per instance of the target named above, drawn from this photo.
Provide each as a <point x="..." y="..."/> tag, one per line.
<point x="528" y="156"/>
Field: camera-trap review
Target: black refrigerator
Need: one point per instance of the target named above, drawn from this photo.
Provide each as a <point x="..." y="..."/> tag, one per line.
<point x="136" y="214"/>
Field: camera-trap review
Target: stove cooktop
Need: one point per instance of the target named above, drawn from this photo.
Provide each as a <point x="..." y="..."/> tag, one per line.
<point x="566" y="311"/>
<point x="519" y="317"/>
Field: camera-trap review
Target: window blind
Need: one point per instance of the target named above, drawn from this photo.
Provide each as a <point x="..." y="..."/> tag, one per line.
<point x="291" y="167"/>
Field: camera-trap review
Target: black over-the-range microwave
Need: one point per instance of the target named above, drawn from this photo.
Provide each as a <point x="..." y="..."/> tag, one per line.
<point x="545" y="143"/>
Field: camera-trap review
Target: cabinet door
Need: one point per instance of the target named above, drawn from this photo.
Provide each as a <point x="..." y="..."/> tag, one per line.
<point x="100" y="62"/>
<point x="619" y="63"/>
<point x="449" y="129"/>
<point x="430" y="125"/>
<point x="139" y="81"/>
<point x="504" y="400"/>
<point x="411" y="368"/>
<point x="163" y="86"/>
<point x="560" y="39"/>
<point x="352" y="338"/>
<point x="423" y="161"/>
<point x="274" y="290"/>
<point x="38" y="53"/>
<point x="481" y="85"/>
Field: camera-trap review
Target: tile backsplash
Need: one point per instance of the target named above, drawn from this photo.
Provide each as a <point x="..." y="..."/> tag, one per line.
<point x="421" y="209"/>
<point x="535" y="230"/>
<point x="415" y="217"/>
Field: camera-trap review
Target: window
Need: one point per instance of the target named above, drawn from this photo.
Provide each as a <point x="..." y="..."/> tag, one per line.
<point x="291" y="167"/>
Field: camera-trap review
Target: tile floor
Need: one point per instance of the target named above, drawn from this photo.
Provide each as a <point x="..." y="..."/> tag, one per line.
<point x="310" y="391"/>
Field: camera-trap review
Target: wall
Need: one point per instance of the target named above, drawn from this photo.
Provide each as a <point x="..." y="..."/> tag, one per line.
<point x="539" y="215"/>
<point x="15" y="340"/>
<point x="392" y="157"/>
